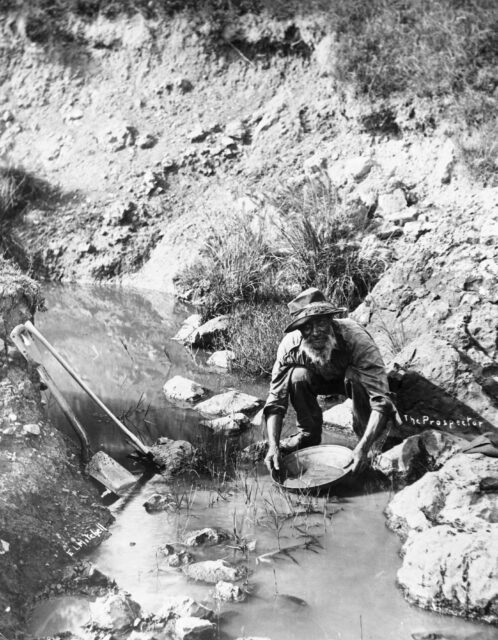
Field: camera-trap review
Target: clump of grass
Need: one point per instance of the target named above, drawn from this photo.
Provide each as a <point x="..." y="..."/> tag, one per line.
<point x="254" y="334"/>
<point x="236" y="265"/>
<point x="323" y="241"/>
<point x="18" y="188"/>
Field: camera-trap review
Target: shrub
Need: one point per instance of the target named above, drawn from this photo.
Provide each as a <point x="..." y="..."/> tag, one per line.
<point x="18" y="188"/>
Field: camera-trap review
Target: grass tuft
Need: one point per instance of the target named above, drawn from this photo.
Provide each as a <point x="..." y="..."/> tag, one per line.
<point x="18" y="188"/>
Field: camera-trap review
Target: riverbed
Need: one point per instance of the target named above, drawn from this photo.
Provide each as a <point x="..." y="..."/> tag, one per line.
<point x="339" y="585"/>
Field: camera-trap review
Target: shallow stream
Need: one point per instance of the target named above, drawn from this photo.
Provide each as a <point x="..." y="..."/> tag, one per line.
<point x="340" y="585"/>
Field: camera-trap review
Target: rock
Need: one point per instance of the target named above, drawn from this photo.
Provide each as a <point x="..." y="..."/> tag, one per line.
<point x="75" y="114"/>
<point x="114" y="611"/>
<point x="180" y="559"/>
<point x="184" y="607"/>
<point x="325" y="55"/>
<point x="236" y="129"/>
<point x="252" y="638"/>
<point x="340" y="415"/>
<point x="198" y="134"/>
<point x="189" y="326"/>
<point x="388" y="231"/>
<point x="228" y="424"/>
<point x="191" y="628"/>
<point x="254" y="452"/>
<point x="4" y="547"/>
<point x="445" y="162"/>
<point x="211" y="329"/>
<point x="391" y="204"/>
<point x="206" y="536"/>
<point x="228" y="591"/>
<point x="120" y="213"/>
<point x="183" y="85"/>
<point x="117" y="136"/>
<point x="452" y="571"/>
<point x="359" y="168"/>
<point x="146" y="141"/>
<point x="173" y="456"/>
<point x="183" y="389"/>
<point x="222" y="359"/>
<point x="158" y="502"/>
<point x="229" y="403"/>
<point x="451" y="495"/>
<point x="212" y="571"/>
<point x="31" y="429"/>
<point x="257" y="420"/>
<point x="417" y="454"/>
<point x="489" y="228"/>
<point x="315" y="165"/>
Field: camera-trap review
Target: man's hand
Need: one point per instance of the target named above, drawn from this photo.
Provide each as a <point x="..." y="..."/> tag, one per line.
<point x="273" y="458"/>
<point x="360" y="460"/>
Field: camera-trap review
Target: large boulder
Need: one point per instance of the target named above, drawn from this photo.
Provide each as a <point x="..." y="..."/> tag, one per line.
<point x="184" y="607"/>
<point x="227" y="424"/>
<point x="453" y="495"/>
<point x="453" y="571"/>
<point x="449" y="521"/>
<point x="192" y="628"/>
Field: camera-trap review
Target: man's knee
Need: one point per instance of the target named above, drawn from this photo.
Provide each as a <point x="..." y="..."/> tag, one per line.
<point x="300" y="377"/>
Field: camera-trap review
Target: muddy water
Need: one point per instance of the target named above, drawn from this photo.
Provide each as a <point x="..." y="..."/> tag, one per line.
<point x="339" y="583"/>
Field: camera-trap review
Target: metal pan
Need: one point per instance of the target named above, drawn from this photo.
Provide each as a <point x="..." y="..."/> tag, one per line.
<point x="317" y="467"/>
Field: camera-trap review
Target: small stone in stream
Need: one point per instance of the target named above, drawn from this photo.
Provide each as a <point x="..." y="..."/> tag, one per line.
<point x="184" y="607"/>
<point x="31" y="429"/>
<point x="212" y="571"/>
<point x="173" y="456"/>
<point x="255" y="452"/>
<point x="192" y="323"/>
<point x="228" y="403"/>
<point x="183" y="389"/>
<point x="180" y="559"/>
<point x="190" y="628"/>
<point x="227" y="424"/>
<point x="222" y="359"/>
<point x="205" y="334"/>
<point x="158" y="502"/>
<point x="208" y="535"/>
<point x="228" y="591"/>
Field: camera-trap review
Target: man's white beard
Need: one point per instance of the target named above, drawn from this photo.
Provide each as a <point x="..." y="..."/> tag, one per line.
<point x="319" y="355"/>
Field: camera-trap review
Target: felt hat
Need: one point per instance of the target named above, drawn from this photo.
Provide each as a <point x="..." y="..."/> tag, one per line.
<point x="309" y="304"/>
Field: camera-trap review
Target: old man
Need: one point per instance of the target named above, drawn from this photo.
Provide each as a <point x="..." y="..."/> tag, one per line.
<point x="323" y="354"/>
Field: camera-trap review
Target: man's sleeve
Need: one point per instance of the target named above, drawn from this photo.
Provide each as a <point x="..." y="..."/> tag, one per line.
<point x="368" y="365"/>
<point x="278" y="396"/>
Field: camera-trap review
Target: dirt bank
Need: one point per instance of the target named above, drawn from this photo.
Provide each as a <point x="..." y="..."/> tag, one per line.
<point x="49" y="511"/>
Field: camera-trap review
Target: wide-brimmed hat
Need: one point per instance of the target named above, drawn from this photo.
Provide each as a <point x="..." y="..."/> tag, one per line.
<point x="309" y="304"/>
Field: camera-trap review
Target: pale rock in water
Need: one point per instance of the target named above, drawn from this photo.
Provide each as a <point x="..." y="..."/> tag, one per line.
<point x="114" y="611"/>
<point x="192" y="628"/>
<point x="172" y="456"/>
<point x="229" y="403"/>
<point x="184" y="607"/>
<point x="228" y="591"/>
<point x="182" y="389"/>
<point x="192" y="323"/>
<point x="208" y="535"/>
<point x="227" y="424"/>
<point x="222" y="359"/>
<point x="449" y="521"/>
<point x="212" y="571"/>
